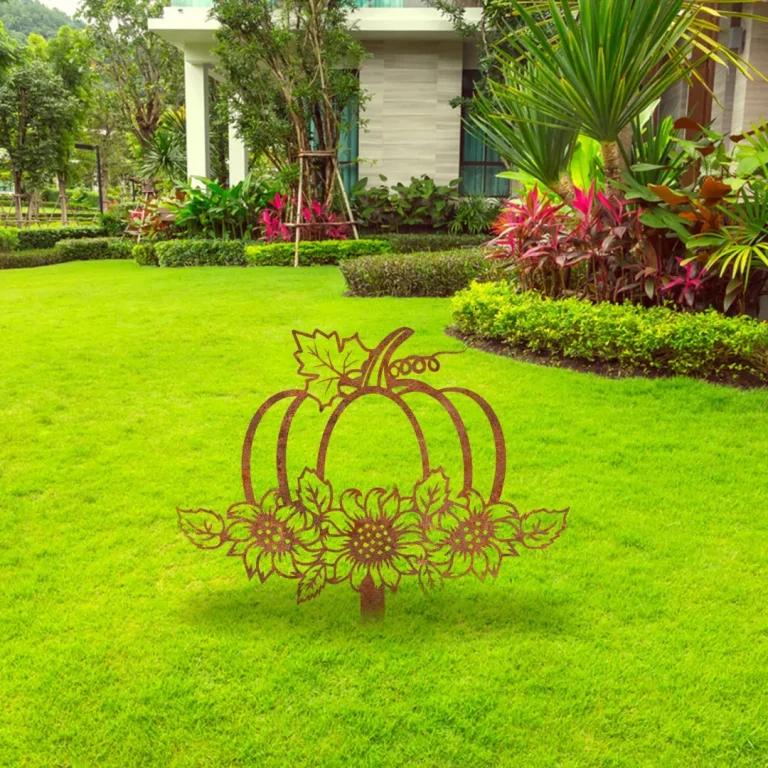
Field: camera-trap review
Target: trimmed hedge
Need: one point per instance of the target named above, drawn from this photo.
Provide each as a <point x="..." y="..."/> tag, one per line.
<point x="9" y="239"/>
<point x="706" y="344"/>
<point x="25" y="259"/>
<point x="313" y="252"/>
<point x="94" y="248"/>
<point x="200" y="253"/>
<point x="438" y="241"/>
<point x="68" y="250"/>
<point x="145" y="254"/>
<point x="47" y="237"/>
<point x="417" y="274"/>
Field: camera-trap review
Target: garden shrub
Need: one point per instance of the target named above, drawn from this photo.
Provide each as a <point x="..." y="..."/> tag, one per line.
<point x="417" y="243"/>
<point x="313" y="252"/>
<point x="94" y="248"/>
<point x="24" y="259"/>
<point x="706" y="344"/>
<point x="200" y="253"/>
<point x="145" y="254"/>
<point x="9" y="238"/>
<point x="417" y="274"/>
<point x="47" y="237"/>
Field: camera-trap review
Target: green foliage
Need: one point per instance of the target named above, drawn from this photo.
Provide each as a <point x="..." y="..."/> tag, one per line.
<point x="438" y="241"/>
<point x="47" y="237"/>
<point x="146" y="70"/>
<point x="114" y="220"/>
<point x="421" y="204"/>
<point x="94" y="248"/>
<point x="739" y="248"/>
<point x="22" y="18"/>
<point x="145" y="254"/>
<point x="705" y="344"/>
<point x="200" y="253"/>
<point x="289" y="72"/>
<point x="164" y="156"/>
<point x="216" y="211"/>
<point x="313" y="252"/>
<point x="417" y="274"/>
<point x="9" y="239"/>
<point x="531" y="143"/>
<point x="36" y="111"/>
<point x="475" y="214"/>
<point x="26" y="259"/>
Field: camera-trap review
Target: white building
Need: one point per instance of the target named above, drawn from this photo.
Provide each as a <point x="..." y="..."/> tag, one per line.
<point x="417" y="67"/>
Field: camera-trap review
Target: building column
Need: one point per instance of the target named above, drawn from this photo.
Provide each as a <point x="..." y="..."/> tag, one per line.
<point x="198" y="122"/>
<point x="238" y="156"/>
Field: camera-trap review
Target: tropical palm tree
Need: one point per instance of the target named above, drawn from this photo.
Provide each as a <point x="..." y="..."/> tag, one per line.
<point x="596" y="65"/>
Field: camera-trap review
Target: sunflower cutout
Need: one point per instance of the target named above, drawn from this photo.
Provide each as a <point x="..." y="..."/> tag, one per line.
<point x="371" y="538"/>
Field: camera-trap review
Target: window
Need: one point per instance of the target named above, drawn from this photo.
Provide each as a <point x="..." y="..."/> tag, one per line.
<point x="349" y="146"/>
<point x="479" y="164"/>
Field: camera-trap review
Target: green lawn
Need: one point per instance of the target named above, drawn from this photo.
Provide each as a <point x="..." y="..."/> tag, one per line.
<point x="639" y="639"/>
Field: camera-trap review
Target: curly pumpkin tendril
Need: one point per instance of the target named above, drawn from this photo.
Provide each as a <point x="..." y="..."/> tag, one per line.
<point x="418" y="364"/>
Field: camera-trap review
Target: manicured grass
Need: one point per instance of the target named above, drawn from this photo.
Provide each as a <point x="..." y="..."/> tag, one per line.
<point x="639" y="639"/>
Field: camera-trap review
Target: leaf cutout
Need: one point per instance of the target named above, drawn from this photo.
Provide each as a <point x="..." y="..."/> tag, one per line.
<point x="429" y="577"/>
<point x="315" y="493"/>
<point x="327" y="362"/>
<point x="312" y="583"/>
<point x="540" y="528"/>
<point x="202" y="527"/>
<point x="431" y="494"/>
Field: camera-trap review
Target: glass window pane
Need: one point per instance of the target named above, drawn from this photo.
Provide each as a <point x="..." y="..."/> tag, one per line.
<point x="472" y="180"/>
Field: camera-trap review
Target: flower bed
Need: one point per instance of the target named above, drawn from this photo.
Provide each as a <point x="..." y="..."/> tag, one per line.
<point x="627" y="336"/>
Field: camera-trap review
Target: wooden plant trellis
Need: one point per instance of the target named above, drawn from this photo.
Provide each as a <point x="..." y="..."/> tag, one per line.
<point x="306" y="530"/>
<point x="329" y="155"/>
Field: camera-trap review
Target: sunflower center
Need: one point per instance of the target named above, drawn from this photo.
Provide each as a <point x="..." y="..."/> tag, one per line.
<point x="472" y="536"/>
<point x="372" y="541"/>
<point x="272" y="534"/>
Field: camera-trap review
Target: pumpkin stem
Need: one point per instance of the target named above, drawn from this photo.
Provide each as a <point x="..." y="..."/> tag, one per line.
<point x="376" y="372"/>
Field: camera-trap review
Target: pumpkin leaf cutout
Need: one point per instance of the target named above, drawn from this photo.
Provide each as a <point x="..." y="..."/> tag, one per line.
<point x="540" y="528"/>
<point x="315" y="493"/>
<point x="202" y="527"/>
<point x="430" y="578"/>
<point x="327" y="362"/>
<point x="312" y="583"/>
<point x="431" y="494"/>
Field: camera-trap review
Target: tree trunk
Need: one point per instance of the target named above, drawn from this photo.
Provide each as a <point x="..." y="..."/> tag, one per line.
<point x="371" y="599"/>
<point x="64" y="202"/>
<point x="615" y="154"/>
<point x="33" y="209"/>
<point x="564" y="187"/>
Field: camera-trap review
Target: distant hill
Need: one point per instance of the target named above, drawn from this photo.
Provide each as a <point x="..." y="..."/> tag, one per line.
<point x="23" y="17"/>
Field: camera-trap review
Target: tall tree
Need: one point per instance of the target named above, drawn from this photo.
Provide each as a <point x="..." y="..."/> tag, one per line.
<point x="69" y="54"/>
<point x="289" y="71"/>
<point x="35" y="108"/>
<point x="146" y="71"/>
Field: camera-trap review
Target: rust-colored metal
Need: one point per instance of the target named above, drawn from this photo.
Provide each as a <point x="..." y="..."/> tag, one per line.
<point x="304" y="529"/>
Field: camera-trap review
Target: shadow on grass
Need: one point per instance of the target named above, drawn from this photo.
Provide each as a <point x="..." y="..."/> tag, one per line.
<point x="457" y="609"/>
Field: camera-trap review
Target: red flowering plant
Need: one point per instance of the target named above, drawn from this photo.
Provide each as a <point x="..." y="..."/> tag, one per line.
<point x="321" y="224"/>
<point x="531" y="234"/>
